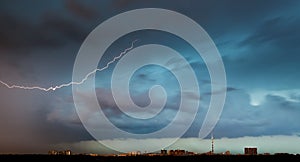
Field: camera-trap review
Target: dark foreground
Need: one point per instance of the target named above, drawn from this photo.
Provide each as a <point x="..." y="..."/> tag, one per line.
<point x="87" y="158"/>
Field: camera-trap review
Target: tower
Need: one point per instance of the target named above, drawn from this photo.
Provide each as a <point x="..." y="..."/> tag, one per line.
<point x="212" y="143"/>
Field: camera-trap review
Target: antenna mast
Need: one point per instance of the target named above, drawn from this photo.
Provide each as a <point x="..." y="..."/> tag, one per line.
<point x="212" y="143"/>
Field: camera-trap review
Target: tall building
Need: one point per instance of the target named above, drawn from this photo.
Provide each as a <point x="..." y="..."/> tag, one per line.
<point x="250" y="151"/>
<point x="177" y="152"/>
<point x="163" y="152"/>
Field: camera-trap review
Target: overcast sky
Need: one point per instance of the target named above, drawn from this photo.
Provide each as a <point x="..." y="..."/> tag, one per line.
<point x="257" y="40"/>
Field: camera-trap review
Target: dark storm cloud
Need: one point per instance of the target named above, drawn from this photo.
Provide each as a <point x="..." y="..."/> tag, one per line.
<point x="27" y="126"/>
<point x="18" y="34"/>
<point x="80" y="9"/>
<point x="63" y="28"/>
<point x="146" y="77"/>
<point x="269" y="54"/>
<point x="280" y="31"/>
<point x="124" y="3"/>
<point x="131" y="124"/>
<point x="260" y="36"/>
<point x="280" y="116"/>
<point x="53" y="31"/>
<point x="57" y="120"/>
<point x="295" y="96"/>
<point x="113" y="112"/>
<point x="276" y="115"/>
<point x="25" y="43"/>
<point x="228" y="89"/>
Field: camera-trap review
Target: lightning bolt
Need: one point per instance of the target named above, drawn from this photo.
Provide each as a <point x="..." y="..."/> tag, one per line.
<point x="71" y="83"/>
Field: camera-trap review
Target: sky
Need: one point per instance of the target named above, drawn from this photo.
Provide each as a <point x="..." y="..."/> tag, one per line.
<point x="40" y="42"/>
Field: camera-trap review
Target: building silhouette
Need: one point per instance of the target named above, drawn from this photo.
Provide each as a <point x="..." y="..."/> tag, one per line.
<point x="163" y="152"/>
<point x="62" y="152"/>
<point x="250" y="151"/>
<point x="176" y="152"/>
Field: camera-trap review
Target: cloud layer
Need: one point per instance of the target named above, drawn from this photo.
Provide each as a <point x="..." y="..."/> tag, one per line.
<point x="258" y="41"/>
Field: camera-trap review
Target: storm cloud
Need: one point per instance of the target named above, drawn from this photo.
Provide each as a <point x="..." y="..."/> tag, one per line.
<point x="258" y="42"/>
